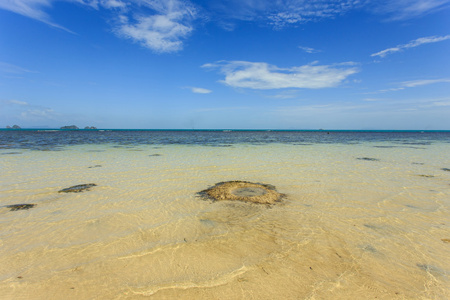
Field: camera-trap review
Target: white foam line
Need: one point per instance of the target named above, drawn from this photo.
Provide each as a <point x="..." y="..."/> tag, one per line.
<point x="141" y="254"/>
<point x="224" y="279"/>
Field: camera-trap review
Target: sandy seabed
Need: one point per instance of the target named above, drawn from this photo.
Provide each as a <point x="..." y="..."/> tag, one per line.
<point x="348" y="228"/>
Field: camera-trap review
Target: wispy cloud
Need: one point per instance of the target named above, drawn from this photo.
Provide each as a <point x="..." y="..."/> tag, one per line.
<point x="26" y="111"/>
<point x="263" y="76"/>
<point x="13" y="69"/>
<point x="414" y="83"/>
<point x="16" y="102"/>
<point x="280" y="13"/>
<point x="34" y="9"/>
<point x="309" y="49"/>
<point x="198" y="90"/>
<point x="407" y="9"/>
<point x="412" y="44"/>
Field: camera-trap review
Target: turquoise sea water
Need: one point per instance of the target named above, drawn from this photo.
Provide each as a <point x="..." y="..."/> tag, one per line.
<point x="366" y="215"/>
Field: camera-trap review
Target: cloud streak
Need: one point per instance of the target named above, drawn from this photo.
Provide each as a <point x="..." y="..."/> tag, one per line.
<point x="263" y="76"/>
<point x="198" y="90"/>
<point x="415" y="83"/>
<point x="407" y="9"/>
<point x="34" y="9"/>
<point x="13" y="69"/>
<point x="411" y="44"/>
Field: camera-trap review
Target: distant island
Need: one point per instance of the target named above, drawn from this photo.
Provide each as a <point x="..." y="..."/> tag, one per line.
<point x="72" y="127"/>
<point x="14" y="127"/>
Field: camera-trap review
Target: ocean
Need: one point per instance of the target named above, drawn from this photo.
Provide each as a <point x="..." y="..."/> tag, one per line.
<point x="366" y="214"/>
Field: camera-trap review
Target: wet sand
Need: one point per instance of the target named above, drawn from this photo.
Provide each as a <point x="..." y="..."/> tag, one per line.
<point x="349" y="228"/>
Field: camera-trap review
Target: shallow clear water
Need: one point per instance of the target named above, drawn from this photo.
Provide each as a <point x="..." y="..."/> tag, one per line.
<point x="366" y="215"/>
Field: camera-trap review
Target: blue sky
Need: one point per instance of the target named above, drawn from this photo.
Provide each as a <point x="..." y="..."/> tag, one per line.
<point x="235" y="64"/>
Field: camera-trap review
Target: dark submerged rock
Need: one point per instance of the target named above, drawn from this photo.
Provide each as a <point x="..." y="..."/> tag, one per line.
<point x="15" y="207"/>
<point x="368" y="158"/>
<point x="77" y="188"/>
<point x="445" y="169"/>
<point x="245" y="191"/>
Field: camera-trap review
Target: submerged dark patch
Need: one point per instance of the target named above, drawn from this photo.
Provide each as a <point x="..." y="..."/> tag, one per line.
<point x="243" y="191"/>
<point x="11" y="153"/>
<point x="15" y="207"/>
<point x="156" y="154"/>
<point x="96" y="166"/>
<point x="369" y="248"/>
<point x="426" y="176"/>
<point x="368" y="158"/>
<point x="371" y="226"/>
<point x="77" y="188"/>
<point x="445" y="169"/>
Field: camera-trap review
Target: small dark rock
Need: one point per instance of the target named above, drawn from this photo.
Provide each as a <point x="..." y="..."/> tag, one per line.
<point x="15" y="207"/>
<point x="368" y="158"/>
<point x="445" y="169"/>
<point x="77" y="188"/>
<point x="426" y="176"/>
<point x="96" y="166"/>
<point x="155" y="154"/>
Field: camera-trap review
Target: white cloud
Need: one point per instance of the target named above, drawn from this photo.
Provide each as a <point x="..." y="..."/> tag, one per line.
<point x="17" y="102"/>
<point x="407" y="9"/>
<point x="161" y="33"/>
<point x="309" y="49"/>
<point x="263" y="76"/>
<point x="163" y="29"/>
<point x="412" y="44"/>
<point x="200" y="90"/>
